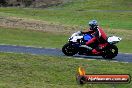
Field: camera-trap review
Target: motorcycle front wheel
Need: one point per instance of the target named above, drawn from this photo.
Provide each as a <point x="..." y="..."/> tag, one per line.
<point x="69" y="50"/>
<point x="110" y="52"/>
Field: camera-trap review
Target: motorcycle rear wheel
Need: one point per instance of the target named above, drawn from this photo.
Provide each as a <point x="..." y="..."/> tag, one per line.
<point x="69" y="50"/>
<point x="110" y="52"/>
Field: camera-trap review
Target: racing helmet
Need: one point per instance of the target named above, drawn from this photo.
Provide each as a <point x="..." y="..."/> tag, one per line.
<point x="93" y="24"/>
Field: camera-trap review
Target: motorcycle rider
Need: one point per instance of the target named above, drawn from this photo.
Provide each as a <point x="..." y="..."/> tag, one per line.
<point x="98" y="36"/>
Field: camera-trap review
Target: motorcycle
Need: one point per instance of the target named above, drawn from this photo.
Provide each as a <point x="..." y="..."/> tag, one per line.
<point x="75" y="46"/>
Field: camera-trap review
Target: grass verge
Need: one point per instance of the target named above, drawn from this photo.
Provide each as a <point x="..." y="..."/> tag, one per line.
<point x="32" y="71"/>
<point x="31" y="38"/>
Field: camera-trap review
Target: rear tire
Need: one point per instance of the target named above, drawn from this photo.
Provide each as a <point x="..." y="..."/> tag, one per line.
<point x="69" y="50"/>
<point x="110" y="52"/>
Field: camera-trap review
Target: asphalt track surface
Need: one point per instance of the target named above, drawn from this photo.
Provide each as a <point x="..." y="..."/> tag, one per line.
<point x="57" y="52"/>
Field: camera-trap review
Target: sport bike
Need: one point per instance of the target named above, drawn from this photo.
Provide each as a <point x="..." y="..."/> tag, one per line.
<point x="75" y="46"/>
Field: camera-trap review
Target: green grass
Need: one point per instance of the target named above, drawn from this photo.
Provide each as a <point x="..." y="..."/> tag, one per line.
<point x="125" y="46"/>
<point x="31" y="38"/>
<point x="98" y="5"/>
<point x="32" y="71"/>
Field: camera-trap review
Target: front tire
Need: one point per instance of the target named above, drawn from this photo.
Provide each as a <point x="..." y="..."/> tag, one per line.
<point x="110" y="52"/>
<point x="69" y="50"/>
